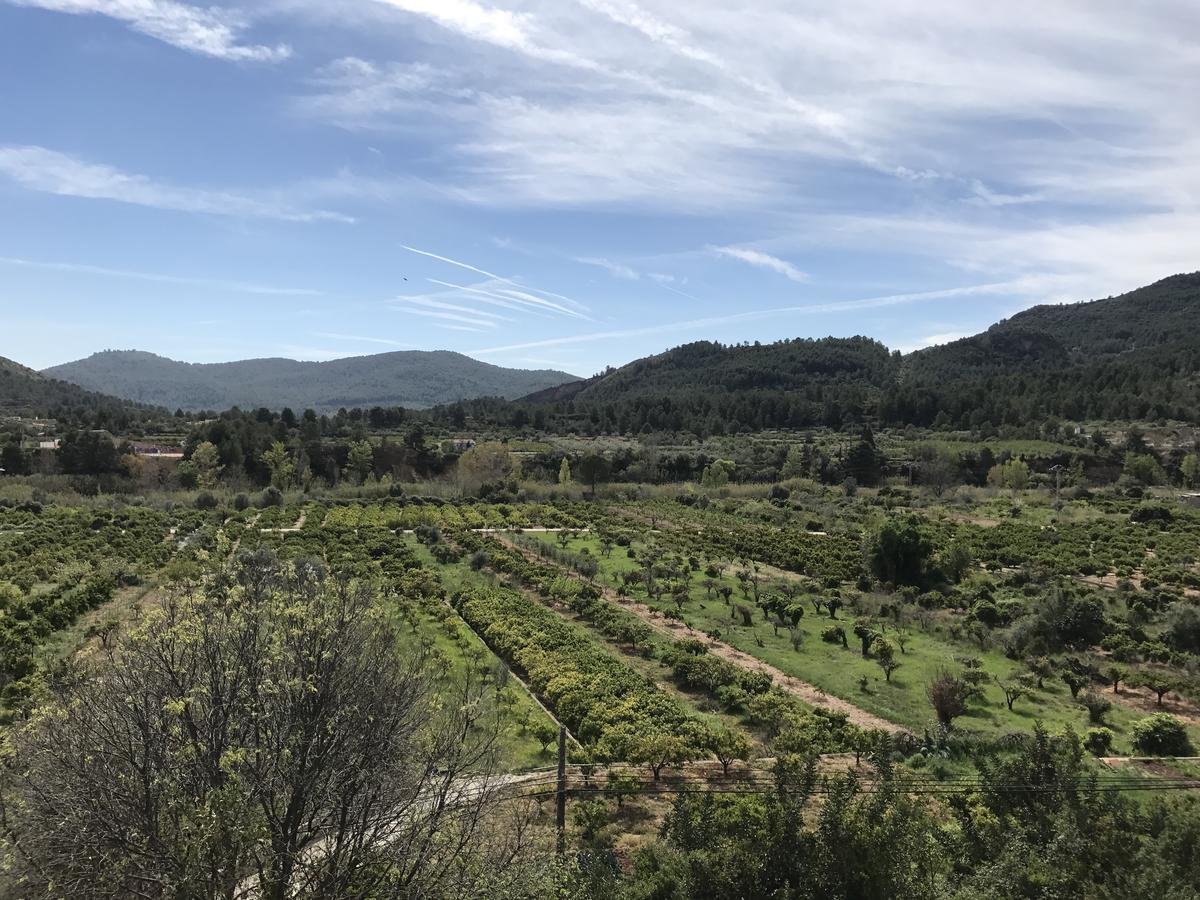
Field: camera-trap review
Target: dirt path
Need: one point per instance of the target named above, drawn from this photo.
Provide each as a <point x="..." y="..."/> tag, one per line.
<point x="1159" y="768"/>
<point x="292" y="529"/>
<point x="1145" y="701"/>
<point x="676" y="630"/>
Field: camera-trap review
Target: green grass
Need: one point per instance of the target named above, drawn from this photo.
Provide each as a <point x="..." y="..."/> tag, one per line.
<point x="838" y="671"/>
<point x="518" y="748"/>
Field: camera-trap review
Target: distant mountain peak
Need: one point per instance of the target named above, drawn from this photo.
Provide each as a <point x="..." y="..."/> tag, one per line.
<point x="412" y="378"/>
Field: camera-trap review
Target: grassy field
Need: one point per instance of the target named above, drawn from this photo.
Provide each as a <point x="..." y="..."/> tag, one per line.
<point x="840" y="671"/>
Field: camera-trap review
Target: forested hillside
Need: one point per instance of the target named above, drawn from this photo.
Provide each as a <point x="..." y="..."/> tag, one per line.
<point x="1132" y="357"/>
<point x="24" y="392"/>
<point x="412" y="379"/>
<point x="1129" y="358"/>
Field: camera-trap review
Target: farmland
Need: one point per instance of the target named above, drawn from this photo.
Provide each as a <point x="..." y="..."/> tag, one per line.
<point x="704" y="636"/>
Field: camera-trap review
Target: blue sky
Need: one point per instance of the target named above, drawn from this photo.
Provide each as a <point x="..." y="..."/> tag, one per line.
<point x="576" y="183"/>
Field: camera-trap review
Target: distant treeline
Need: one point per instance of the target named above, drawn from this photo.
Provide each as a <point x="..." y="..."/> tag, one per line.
<point x="261" y="448"/>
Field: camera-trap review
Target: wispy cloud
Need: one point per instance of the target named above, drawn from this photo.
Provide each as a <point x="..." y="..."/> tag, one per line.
<point x="669" y="283"/>
<point x="452" y="307"/>
<point x="755" y="314"/>
<point x="362" y="339"/>
<point x="40" y="169"/>
<point x="514" y="31"/>
<point x="762" y="260"/>
<point x="982" y="195"/>
<point x="496" y="26"/>
<point x="616" y="269"/>
<point x="210" y="31"/>
<point x="455" y="262"/>
<point x="215" y="284"/>
<point x="522" y="290"/>
<point x="475" y="320"/>
<point x="482" y="295"/>
<point x="698" y="109"/>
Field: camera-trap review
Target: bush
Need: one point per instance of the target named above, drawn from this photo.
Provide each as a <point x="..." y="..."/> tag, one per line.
<point x="778" y="494"/>
<point x="445" y="554"/>
<point x="241" y="502"/>
<point x="272" y="496"/>
<point x="948" y="695"/>
<point x="1151" y="514"/>
<point x="1098" y="741"/>
<point x="427" y="534"/>
<point x="834" y="634"/>
<point x="1161" y="735"/>
<point x="1096" y="706"/>
<point x="590" y="816"/>
<point x="205" y="500"/>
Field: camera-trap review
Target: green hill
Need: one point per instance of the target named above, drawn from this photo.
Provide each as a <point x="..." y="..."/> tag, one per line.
<point x="24" y="392"/>
<point x="1134" y="356"/>
<point x="1131" y="357"/>
<point x="404" y="378"/>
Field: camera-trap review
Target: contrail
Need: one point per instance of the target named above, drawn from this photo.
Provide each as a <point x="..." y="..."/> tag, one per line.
<point x="494" y="276"/>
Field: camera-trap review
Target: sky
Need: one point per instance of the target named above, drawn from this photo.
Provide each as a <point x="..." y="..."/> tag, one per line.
<point x="573" y="184"/>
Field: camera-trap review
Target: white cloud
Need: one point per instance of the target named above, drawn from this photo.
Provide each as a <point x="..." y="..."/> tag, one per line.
<point x="210" y="31"/>
<point x="669" y="282"/>
<point x="794" y="106"/>
<point x="496" y="26"/>
<point x="522" y="292"/>
<point x="762" y="260"/>
<point x="41" y="169"/>
<point x="617" y="270"/>
<point x="453" y="307"/>
<point x="477" y="321"/>
<point x="982" y="194"/>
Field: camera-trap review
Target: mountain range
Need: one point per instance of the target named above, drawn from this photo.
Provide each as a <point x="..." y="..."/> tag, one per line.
<point x="1131" y="357"/>
<point x="410" y="378"/>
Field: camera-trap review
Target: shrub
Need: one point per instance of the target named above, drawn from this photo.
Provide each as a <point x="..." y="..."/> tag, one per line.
<point x="445" y="554"/>
<point x="1161" y="735"/>
<point x="834" y="634"/>
<point x="590" y="816"/>
<point x="1098" y="741"/>
<point x="1096" y="706"/>
<point x="205" y="500"/>
<point x="272" y="496"/>
<point x="948" y="695"/>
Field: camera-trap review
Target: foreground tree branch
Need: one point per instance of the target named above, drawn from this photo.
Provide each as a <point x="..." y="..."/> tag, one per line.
<point x="267" y="735"/>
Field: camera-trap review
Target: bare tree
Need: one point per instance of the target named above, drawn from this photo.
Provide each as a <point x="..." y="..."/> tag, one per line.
<point x="948" y="695"/>
<point x="265" y="735"/>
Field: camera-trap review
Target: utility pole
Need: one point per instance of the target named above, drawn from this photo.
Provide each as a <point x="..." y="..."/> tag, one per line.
<point x="1057" y="470"/>
<point x="560" y="795"/>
